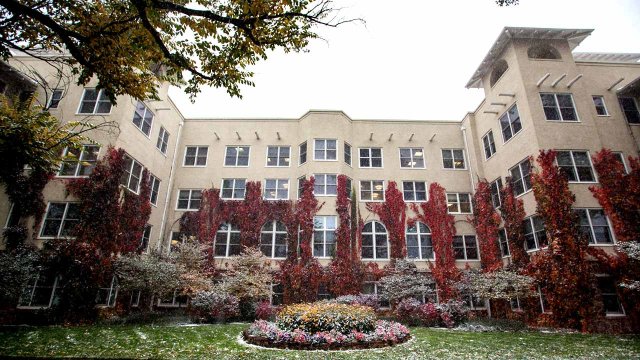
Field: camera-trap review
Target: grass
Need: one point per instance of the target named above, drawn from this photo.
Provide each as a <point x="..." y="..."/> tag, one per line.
<point x="220" y="342"/>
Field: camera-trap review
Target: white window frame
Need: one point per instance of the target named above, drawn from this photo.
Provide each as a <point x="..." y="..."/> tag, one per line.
<point x="237" y="156"/>
<point x="506" y="243"/>
<point x="489" y="140"/>
<point x="9" y="215"/>
<point x="227" y="233"/>
<point x="323" y="230"/>
<point x="372" y="191"/>
<point x="383" y="304"/>
<point x="146" y="234"/>
<point x="522" y="178"/>
<point x="459" y="203"/>
<point x="274" y="235"/>
<point x="575" y="168"/>
<point x="535" y="235"/>
<point x="497" y="183"/>
<point x="154" y="188"/>
<point x="419" y="234"/>
<point x="175" y="302"/>
<point x="112" y="290"/>
<point x="481" y="304"/>
<point x="413" y="157"/>
<point x="325" y="186"/>
<point x="53" y="98"/>
<point x="299" y="185"/>
<point x="273" y="292"/>
<point x="129" y="175"/>
<point x="464" y="247"/>
<point x="33" y="290"/>
<point x="143" y="118"/>
<point x="374" y="234"/>
<point x="78" y="161"/>
<point x="348" y="151"/>
<point x="453" y="159"/>
<point x="370" y="158"/>
<point x="278" y="182"/>
<point x="62" y="220"/>
<point x="189" y="200"/>
<point x="620" y="154"/>
<point x="197" y="155"/>
<point x="162" y="144"/>
<point x="301" y="153"/>
<point x="557" y="107"/>
<point x="278" y="157"/>
<point x="603" y="294"/>
<point x="233" y="189"/>
<point x="604" y="105"/>
<point x="540" y="297"/>
<point x="95" y="107"/>
<point x="511" y="122"/>
<point x="414" y="191"/>
<point x="624" y="113"/>
<point x="325" y="150"/>
<point x="591" y="229"/>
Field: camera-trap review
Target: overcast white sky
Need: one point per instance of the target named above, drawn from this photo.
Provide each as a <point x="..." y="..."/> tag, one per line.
<point x="411" y="60"/>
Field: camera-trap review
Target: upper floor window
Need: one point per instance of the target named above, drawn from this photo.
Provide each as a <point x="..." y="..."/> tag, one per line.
<point x="453" y="159"/>
<point x="543" y="51"/>
<point x="374" y="241"/>
<point x="79" y="162"/>
<point x="54" y="100"/>
<point x="535" y="234"/>
<point x="465" y="247"/>
<point x="325" y="184"/>
<point x="325" y="149"/>
<point x="276" y="189"/>
<point x="347" y="154"/>
<point x="414" y="190"/>
<point x="94" y="101"/>
<point x="154" y="185"/>
<point x="278" y="156"/>
<point x="601" y="108"/>
<point x="60" y="220"/>
<point x="496" y="185"/>
<point x="273" y="240"/>
<point x="302" y="149"/>
<point x="489" y="145"/>
<point x="324" y="236"/>
<point x="576" y="165"/>
<point x="227" y="240"/>
<point x="594" y="225"/>
<point x="620" y="158"/>
<point x="146" y="235"/>
<point x="630" y="109"/>
<point x="503" y="242"/>
<point x="233" y="189"/>
<point x="510" y="123"/>
<point x="372" y="190"/>
<point x="419" y="245"/>
<point x="143" y="118"/>
<point x="163" y="140"/>
<point x="499" y="68"/>
<point x="189" y="199"/>
<point x="370" y="157"/>
<point x="237" y="156"/>
<point x="132" y="174"/>
<point x="301" y="181"/>
<point x="412" y="158"/>
<point x="521" y="177"/>
<point x="558" y="107"/>
<point x="196" y="156"/>
<point x="459" y="203"/>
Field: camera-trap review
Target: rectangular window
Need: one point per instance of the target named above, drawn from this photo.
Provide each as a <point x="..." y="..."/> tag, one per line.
<point x="324" y="236"/>
<point x="595" y="225"/>
<point x="521" y="177"/>
<point x="173" y="300"/>
<point x="474" y="302"/>
<point x="54" y="100"/>
<point x="544" y="304"/>
<point x="414" y="190"/>
<point x="233" y="189"/>
<point x="325" y="184"/>
<point x="40" y="292"/>
<point x="620" y="158"/>
<point x="630" y="109"/>
<point x="558" y="107"/>
<point x="12" y="218"/>
<point x="196" y="156"/>
<point x="237" y="156"/>
<point x="301" y="180"/>
<point x="277" y="156"/>
<point x="373" y="288"/>
<point x="189" y="199"/>
<point x="146" y="235"/>
<point x="610" y="299"/>
<point x="106" y="296"/>
<point x="535" y="234"/>
<point x="163" y="140"/>
<point x="79" y="162"/>
<point x="347" y="154"/>
<point x="412" y="158"/>
<point x="419" y="242"/>
<point x="504" y="244"/>
<point x="489" y="145"/>
<point x="370" y="157"/>
<point x="302" y="149"/>
<point x="510" y="123"/>
<point x="227" y="240"/>
<point x="60" y="220"/>
<point x="515" y="304"/>
<point x="325" y="149"/>
<point x="154" y="185"/>
<point x="277" y="294"/>
<point x="576" y="165"/>
<point x="94" y="102"/>
<point x="459" y="203"/>
<point x="372" y="190"/>
<point x="276" y="189"/>
<point x="496" y="186"/>
<point x="143" y="118"/>
<point x="273" y="240"/>
<point x="465" y="247"/>
<point x="601" y="108"/>
<point x="132" y="174"/>
<point x="453" y="159"/>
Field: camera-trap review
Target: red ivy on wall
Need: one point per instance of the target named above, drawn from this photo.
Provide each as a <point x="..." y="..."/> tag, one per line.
<point x="486" y="221"/>
<point x="513" y="214"/>
<point x="393" y="214"/>
<point x="249" y="215"/>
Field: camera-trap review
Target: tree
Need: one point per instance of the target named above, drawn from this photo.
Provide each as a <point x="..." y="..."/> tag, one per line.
<point x="128" y="44"/>
<point x="502" y="284"/>
<point x="402" y="280"/>
<point x="393" y="214"/>
<point x="513" y="214"/>
<point x="17" y="266"/>
<point x="486" y="221"/>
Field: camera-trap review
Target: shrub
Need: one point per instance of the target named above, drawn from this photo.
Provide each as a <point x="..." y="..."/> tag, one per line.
<point x="410" y="311"/>
<point x="264" y="310"/>
<point x="369" y="300"/>
<point x="214" y="306"/>
<point x="428" y="314"/>
<point x="407" y="311"/>
<point x="452" y="312"/>
<point x="326" y="316"/>
<point x="403" y="280"/>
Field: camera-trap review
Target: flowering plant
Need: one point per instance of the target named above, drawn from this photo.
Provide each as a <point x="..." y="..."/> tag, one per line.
<point x="326" y="316"/>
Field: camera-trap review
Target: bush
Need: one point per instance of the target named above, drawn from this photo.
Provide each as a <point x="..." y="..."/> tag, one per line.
<point x="411" y="312"/>
<point x="407" y="311"/>
<point x="214" y="306"/>
<point x="264" y="311"/>
<point x="325" y="317"/>
<point x="491" y="324"/>
<point x="369" y="300"/>
<point x="454" y="311"/>
<point x="428" y="314"/>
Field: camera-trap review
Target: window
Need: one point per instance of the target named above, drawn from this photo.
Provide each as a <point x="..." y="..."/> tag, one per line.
<point x="189" y="199"/>
<point x="323" y="292"/>
<point x="324" y="236"/>
<point x="610" y="298"/>
<point x="134" y="300"/>
<point x="374" y="241"/>
<point x="273" y="240"/>
<point x="143" y="118"/>
<point x="227" y="241"/>
<point x="504" y="244"/>
<point x="302" y="149"/>
<point x="496" y="186"/>
<point x="325" y="184"/>
<point x="510" y="123"/>
<point x="521" y="177"/>
<point x="163" y="141"/>
<point x="233" y="189"/>
<point x="237" y="156"/>
<point x="277" y="294"/>
<point x="94" y="101"/>
<point x="325" y="149"/>
<point x="620" y="158"/>
<point x="347" y="154"/>
<point x="146" y="235"/>
<point x="373" y="288"/>
<point x="594" y="225"/>
<point x="559" y="107"/>
<point x="154" y="184"/>
<point x="278" y="156"/>
<point x="177" y="239"/>
<point x="453" y="159"/>
<point x="12" y="218"/>
<point x="576" y="165"/>
<point x="459" y="203"/>
<point x="544" y="304"/>
<point x="630" y="109"/>
<point x="370" y="157"/>
<point x="276" y="189"/>
<point x="535" y="235"/>
<point x="499" y="68"/>
<point x="55" y="98"/>
<point x="489" y="145"/>
<point x="79" y="162"/>
<point x="174" y="300"/>
<point x="372" y="190"/>
<point x="474" y="302"/>
<point x="543" y="51"/>
<point x="301" y="181"/>
<point x="419" y="245"/>
<point x="414" y="190"/>
<point x="196" y="156"/>
<point x="412" y="158"/>
<point x="465" y="247"/>
<point x="601" y="108"/>
<point x="132" y="174"/>
<point x="106" y="296"/>
<point x="40" y="292"/>
<point x="515" y="304"/>
<point x="60" y="220"/>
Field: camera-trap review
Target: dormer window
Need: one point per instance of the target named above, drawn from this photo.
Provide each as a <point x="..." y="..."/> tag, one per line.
<point x="499" y="68"/>
<point x="543" y="51"/>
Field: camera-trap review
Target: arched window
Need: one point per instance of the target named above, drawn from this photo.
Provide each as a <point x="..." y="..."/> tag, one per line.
<point x="419" y="245"/>
<point x="499" y="68"/>
<point x="543" y="51"/>
<point x="227" y="241"/>
<point x="374" y="241"/>
<point x="273" y="239"/>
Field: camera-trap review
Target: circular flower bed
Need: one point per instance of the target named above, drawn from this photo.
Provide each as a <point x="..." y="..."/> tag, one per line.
<point x="326" y="326"/>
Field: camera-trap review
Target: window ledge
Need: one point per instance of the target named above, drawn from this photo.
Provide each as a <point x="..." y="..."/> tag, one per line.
<point x="614" y="316"/>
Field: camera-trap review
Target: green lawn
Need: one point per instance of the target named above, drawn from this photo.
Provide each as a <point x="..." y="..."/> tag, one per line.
<point x="220" y="342"/>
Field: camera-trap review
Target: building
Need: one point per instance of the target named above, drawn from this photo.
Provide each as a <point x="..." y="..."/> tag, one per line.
<point x="538" y="95"/>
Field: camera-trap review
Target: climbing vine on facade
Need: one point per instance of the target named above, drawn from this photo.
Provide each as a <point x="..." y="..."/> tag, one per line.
<point x="392" y="212"/>
<point x="486" y="222"/>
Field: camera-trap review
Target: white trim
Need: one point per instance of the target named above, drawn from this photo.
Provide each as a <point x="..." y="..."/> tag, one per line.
<point x="189" y="199"/>
<point x="65" y="152"/>
<point x="372" y="190"/>
<point x="146" y="108"/>
<point x="575" y="167"/>
<point x="233" y="189"/>
<point x="424" y="159"/>
<point x="591" y="229"/>
<point x="557" y="107"/>
<point x="426" y="191"/>
<point x="459" y="203"/>
<point x="419" y="235"/>
<point x="33" y="289"/>
<point x="306" y="153"/>
<point x="195" y="160"/>
<point x="162" y="128"/>
<point x="95" y="106"/>
<point x="325" y="149"/>
<point x="227" y="234"/>
<point x="224" y="159"/>
<point x="464" y="159"/>
<point x="62" y="221"/>
<point x="464" y="247"/>
<point x="324" y="231"/>
<point x="277" y="180"/>
<point x="315" y="176"/>
<point x="604" y="104"/>
<point x="370" y="157"/>
<point x="344" y="153"/>
<point x="62" y="94"/>
<point x="495" y="149"/>
<point x="277" y="157"/>
<point x="374" y="239"/>
<point x="274" y="235"/>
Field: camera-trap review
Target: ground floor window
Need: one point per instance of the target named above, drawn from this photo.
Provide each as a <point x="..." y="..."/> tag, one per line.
<point x="515" y="303"/>
<point x="40" y="292"/>
<point x="323" y="292"/>
<point x="134" y="301"/>
<point x="544" y="304"/>
<point x="474" y="302"/>
<point x="173" y="299"/>
<point x="373" y="288"/>
<point x="277" y="294"/>
<point x="107" y="295"/>
<point x="610" y="298"/>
